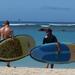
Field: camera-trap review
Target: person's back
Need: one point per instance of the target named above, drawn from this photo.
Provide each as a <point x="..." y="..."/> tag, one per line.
<point x="5" y="31"/>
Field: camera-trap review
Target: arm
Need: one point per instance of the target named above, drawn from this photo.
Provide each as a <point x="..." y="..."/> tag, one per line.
<point x="11" y="33"/>
<point x="58" y="48"/>
<point x="44" y="41"/>
<point x="58" y="43"/>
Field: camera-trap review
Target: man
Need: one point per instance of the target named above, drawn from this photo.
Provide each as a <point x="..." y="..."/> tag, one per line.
<point x="5" y="33"/>
<point x="50" y="38"/>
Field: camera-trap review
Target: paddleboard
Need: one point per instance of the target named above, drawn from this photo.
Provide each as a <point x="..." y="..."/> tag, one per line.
<point x="16" y="48"/>
<point x="48" y="53"/>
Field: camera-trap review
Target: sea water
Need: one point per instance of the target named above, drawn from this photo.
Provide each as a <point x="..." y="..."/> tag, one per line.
<point x="63" y="33"/>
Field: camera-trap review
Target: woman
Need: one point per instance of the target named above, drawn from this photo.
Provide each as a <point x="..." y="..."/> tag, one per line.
<point x="50" y="38"/>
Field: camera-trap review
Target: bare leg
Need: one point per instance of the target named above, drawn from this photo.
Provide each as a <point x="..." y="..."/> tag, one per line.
<point x="47" y="66"/>
<point x="8" y="64"/>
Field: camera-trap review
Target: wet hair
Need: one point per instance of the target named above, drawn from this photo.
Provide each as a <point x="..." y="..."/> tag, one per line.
<point x="6" y="22"/>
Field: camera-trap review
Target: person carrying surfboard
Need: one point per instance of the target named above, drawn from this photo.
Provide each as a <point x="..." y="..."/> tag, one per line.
<point x="50" y="38"/>
<point x="5" y="33"/>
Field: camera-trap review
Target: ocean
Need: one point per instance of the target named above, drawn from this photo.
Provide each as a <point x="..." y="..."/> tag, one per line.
<point x="65" y="32"/>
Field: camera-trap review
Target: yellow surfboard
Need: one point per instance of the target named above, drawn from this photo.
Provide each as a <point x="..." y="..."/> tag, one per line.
<point x="16" y="48"/>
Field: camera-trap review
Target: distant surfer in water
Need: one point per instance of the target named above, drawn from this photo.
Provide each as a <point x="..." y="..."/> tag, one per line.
<point x="5" y="33"/>
<point x="50" y="38"/>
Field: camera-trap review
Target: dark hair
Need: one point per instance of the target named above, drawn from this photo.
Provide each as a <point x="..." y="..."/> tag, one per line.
<point x="6" y="22"/>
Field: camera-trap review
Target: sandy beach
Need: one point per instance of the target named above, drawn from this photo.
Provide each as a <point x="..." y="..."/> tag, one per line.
<point x="35" y="71"/>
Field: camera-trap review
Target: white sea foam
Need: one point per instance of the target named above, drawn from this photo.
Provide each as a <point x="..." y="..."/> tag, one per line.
<point x="45" y="26"/>
<point x="42" y="25"/>
<point x="22" y="24"/>
<point x="62" y="24"/>
<point x="16" y="24"/>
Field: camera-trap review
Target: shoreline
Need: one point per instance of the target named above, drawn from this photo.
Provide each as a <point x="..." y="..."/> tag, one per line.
<point x="35" y="71"/>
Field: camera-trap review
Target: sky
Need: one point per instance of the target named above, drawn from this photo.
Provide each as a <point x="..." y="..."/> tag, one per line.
<point x="38" y="10"/>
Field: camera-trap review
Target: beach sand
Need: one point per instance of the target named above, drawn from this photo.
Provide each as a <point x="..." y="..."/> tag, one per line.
<point x="35" y="71"/>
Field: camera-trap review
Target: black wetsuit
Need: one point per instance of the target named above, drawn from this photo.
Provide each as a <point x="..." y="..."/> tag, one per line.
<point x="50" y="39"/>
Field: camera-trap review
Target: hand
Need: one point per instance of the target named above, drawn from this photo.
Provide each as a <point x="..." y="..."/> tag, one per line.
<point x="58" y="46"/>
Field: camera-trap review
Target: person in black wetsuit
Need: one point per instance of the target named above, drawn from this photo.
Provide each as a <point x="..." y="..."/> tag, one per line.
<point x="50" y="38"/>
